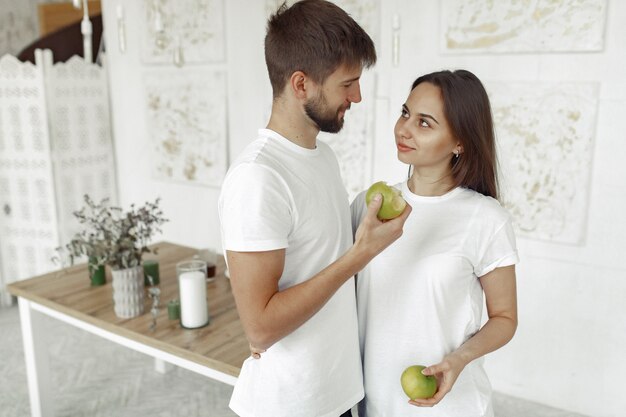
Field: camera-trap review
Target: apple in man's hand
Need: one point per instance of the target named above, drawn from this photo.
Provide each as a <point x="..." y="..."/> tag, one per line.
<point x="393" y="204"/>
<point x="417" y="385"/>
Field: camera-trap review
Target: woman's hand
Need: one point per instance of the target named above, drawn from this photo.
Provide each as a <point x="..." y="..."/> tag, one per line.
<point x="501" y="299"/>
<point x="446" y="372"/>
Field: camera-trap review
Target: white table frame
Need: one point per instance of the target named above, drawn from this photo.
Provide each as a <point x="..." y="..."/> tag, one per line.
<point x="37" y="361"/>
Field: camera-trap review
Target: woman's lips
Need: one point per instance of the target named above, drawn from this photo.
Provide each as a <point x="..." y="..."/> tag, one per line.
<point x="403" y="148"/>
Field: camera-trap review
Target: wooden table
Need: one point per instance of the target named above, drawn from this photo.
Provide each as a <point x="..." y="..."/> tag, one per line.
<point x="216" y="351"/>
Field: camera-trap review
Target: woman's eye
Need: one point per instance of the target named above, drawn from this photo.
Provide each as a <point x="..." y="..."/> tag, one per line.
<point x="404" y="113"/>
<point x="423" y="123"/>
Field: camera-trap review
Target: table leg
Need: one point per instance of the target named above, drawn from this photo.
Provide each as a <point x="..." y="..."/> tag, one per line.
<point x="36" y="356"/>
<point x="162" y="366"/>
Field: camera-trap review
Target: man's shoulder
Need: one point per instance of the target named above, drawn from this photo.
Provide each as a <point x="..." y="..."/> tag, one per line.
<point x="253" y="171"/>
<point x="253" y="151"/>
<point x="326" y="149"/>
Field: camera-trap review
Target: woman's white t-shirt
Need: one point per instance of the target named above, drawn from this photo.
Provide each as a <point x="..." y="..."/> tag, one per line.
<point x="421" y="299"/>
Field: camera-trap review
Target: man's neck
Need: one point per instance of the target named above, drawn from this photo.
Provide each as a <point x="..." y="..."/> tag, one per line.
<point x="293" y="126"/>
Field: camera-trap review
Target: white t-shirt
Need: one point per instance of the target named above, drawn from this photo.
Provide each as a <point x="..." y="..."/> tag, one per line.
<point x="279" y="195"/>
<point x="421" y="299"/>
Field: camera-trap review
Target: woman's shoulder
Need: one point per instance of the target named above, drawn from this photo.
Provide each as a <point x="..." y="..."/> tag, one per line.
<point x="487" y="207"/>
<point x="358" y="202"/>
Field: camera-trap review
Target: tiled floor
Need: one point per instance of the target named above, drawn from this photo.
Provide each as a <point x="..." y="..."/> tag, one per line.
<point x="94" y="377"/>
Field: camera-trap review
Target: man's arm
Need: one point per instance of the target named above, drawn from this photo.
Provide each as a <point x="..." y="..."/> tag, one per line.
<point x="268" y="314"/>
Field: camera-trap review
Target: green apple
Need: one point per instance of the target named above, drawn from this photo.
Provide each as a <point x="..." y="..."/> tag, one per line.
<point x="417" y="385"/>
<point x="393" y="203"/>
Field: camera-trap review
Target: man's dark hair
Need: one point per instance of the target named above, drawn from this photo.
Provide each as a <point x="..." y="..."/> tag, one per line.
<point x="315" y="37"/>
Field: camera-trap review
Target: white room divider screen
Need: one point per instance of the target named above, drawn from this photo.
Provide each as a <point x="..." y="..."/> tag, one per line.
<point x="55" y="146"/>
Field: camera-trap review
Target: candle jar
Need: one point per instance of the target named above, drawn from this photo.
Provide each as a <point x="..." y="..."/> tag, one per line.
<point x="192" y="285"/>
<point x="151" y="269"/>
<point x="210" y="257"/>
<point x="173" y="310"/>
<point x="97" y="276"/>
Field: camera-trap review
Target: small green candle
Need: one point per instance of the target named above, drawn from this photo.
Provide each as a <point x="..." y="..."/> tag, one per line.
<point x="151" y="268"/>
<point x="173" y="310"/>
<point x="96" y="273"/>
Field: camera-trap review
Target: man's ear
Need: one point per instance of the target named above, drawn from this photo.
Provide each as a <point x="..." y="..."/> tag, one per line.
<point x="299" y="82"/>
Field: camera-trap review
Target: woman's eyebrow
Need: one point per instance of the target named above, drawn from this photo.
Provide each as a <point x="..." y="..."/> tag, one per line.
<point x="424" y="115"/>
<point x="428" y="116"/>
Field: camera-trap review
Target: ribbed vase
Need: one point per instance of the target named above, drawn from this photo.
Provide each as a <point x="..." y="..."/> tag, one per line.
<point x="128" y="292"/>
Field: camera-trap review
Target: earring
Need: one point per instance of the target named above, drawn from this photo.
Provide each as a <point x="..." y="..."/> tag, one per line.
<point x="456" y="154"/>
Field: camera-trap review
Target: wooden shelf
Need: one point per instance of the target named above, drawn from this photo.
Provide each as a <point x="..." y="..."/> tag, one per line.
<point x="54" y="16"/>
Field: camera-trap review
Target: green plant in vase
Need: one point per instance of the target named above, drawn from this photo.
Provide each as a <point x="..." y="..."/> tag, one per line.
<point x="88" y="242"/>
<point x="113" y="237"/>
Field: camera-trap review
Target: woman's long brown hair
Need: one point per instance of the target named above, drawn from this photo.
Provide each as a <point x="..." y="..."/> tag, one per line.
<point x="468" y="111"/>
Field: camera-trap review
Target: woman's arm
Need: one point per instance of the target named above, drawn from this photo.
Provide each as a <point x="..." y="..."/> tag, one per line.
<point x="501" y="299"/>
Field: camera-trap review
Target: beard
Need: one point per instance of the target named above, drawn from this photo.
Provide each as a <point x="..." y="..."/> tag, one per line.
<point x="325" y="119"/>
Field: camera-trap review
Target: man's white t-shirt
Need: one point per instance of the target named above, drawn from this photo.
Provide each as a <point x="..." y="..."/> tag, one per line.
<point x="421" y="298"/>
<point x="279" y="195"/>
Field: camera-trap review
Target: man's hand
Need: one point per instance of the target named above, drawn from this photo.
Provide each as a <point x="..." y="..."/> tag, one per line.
<point x="373" y="234"/>
<point x="255" y="352"/>
<point x="269" y="314"/>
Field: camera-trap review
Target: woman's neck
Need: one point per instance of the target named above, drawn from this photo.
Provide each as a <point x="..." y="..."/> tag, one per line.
<point x="430" y="185"/>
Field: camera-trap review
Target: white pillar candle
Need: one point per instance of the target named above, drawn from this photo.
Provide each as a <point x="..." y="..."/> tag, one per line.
<point x="193" y="306"/>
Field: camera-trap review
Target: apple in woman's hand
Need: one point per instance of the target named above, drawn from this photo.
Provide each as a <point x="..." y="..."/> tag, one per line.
<point x="417" y="385"/>
<point x="393" y="204"/>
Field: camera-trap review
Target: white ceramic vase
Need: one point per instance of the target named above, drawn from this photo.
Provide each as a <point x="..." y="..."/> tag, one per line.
<point x="128" y="292"/>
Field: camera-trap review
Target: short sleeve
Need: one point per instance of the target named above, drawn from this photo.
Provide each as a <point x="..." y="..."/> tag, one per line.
<point x="255" y="210"/>
<point x="500" y="251"/>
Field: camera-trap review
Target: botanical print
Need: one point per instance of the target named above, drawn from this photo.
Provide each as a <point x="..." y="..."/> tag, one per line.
<point x="365" y="12"/>
<point x="192" y="28"/>
<point x="545" y="137"/>
<point x="473" y="26"/>
<point x="186" y="121"/>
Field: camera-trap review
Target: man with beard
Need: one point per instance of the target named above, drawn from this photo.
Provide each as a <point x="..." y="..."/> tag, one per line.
<point x="286" y="228"/>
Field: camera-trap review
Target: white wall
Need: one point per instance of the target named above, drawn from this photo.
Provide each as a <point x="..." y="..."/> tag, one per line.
<point x="192" y="210"/>
<point x="568" y="351"/>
